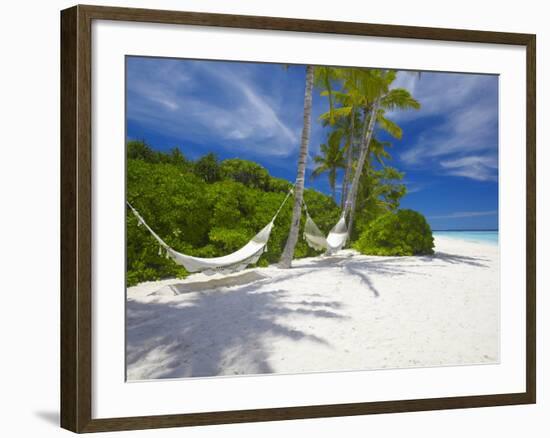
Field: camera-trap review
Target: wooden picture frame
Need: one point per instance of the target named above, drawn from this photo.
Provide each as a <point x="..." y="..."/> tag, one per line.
<point x="76" y="218"/>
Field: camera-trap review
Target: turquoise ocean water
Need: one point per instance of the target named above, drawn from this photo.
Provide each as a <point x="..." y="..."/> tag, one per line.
<point x="471" y="236"/>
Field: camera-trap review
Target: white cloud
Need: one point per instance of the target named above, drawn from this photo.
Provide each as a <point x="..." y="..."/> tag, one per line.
<point x="414" y="187"/>
<point x="463" y="214"/>
<point x="256" y="105"/>
<point x="439" y="92"/>
<point x="463" y="124"/>
<point x="475" y="167"/>
<point x="235" y="114"/>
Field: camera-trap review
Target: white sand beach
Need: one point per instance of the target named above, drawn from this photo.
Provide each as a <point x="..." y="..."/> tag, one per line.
<point x="335" y="313"/>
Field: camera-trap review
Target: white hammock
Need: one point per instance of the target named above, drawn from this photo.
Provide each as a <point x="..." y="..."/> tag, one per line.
<point x="313" y="235"/>
<point x="338" y="236"/>
<point x="335" y="240"/>
<point x="236" y="261"/>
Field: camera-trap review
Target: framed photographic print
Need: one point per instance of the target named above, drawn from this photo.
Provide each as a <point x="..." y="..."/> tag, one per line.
<point x="268" y="218"/>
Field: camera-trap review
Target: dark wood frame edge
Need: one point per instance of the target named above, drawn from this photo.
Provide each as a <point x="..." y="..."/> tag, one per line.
<point x="76" y="313"/>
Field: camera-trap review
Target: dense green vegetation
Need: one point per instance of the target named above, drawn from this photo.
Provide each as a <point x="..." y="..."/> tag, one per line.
<point x="209" y="208"/>
<point x="401" y="233"/>
<point x="206" y="208"/>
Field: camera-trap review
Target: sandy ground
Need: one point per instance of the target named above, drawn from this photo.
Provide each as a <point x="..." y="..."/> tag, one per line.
<point x="345" y="312"/>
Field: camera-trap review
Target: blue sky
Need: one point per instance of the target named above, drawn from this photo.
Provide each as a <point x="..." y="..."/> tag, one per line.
<point x="449" y="149"/>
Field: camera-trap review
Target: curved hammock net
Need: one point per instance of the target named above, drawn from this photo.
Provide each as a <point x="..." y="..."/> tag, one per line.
<point x="252" y="251"/>
<point x="315" y="238"/>
<point x="236" y="261"/>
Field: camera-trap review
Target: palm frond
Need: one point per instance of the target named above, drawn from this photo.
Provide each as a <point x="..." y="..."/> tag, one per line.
<point x="389" y="126"/>
<point x="336" y="113"/>
<point x="399" y="98"/>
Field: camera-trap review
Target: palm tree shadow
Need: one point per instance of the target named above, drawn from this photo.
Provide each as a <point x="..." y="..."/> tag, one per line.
<point x="214" y="333"/>
<point x="326" y="262"/>
<point x="364" y="278"/>
<point x="459" y="259"/>
<point x="389" y="266"/>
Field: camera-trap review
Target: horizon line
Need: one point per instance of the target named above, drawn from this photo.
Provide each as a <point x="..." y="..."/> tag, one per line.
<point x="469" y="229"/>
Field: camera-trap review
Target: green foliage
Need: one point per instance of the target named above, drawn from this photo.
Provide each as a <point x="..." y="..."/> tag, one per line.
<point x="176" y="157"/>
<point x="246" y="172"/>
<point x="357" y="93"/>
<point x="163" y="197"/>
<point x="208" y="168"/>
<point x="278" y="185"/>
<point x="380" y="191"/>
<point x="401" y="233"/>
<point x="331" y="160"/>
<point x="207" y="219"/>
<point x="139" y="150"/>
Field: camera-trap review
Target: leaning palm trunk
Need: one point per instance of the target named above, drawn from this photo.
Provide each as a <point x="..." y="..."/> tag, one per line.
<point x="347" y="173"/>
<point x="288" y="252"/>
<point x="366" y="136"/>
<point x="345" y="180"/>
<point x="349" y="159"/>
<point x="332" y="182"/>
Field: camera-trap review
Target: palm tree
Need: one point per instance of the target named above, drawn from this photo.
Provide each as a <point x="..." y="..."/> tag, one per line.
<point x="366" y="135"/>
<point x="346" y="124"/>
<point x="288" y="252"/>
<point x="323" y="79"/>
<point x="372" y="92"/>
<point x="370" y="96"/>
<point x="331" y="160"/>
<point x="353" y="98"/>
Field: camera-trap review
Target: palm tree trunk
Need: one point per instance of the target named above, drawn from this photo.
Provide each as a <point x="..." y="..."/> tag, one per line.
<point x="332" y="182"/>
<point x="366" y="136"/>
<point x="345" y="180"/>
<point x="349" y="160"/>
<point x="288" y="252"/>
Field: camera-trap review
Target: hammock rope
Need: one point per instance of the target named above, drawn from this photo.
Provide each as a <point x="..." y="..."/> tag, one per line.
<point x="236" y="261"/>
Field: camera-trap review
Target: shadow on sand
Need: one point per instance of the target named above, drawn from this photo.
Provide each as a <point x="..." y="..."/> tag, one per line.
<point x="364" y="268"/>
<point x="388" y="266"/>
<point x="231" y="331"/>
<point x="460" y="259"/>
<point x="211" y="333"/>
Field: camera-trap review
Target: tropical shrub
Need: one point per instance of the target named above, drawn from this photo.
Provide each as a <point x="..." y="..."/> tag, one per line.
<point x="401" y="233"/>
<point x="380" y="191"/>
<point x="207" y="219"/>
<point x="164" y="197"/>
<point x="139" y="150"/>
<point x="208" y="168"/>
<point x="246" y="172"/>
